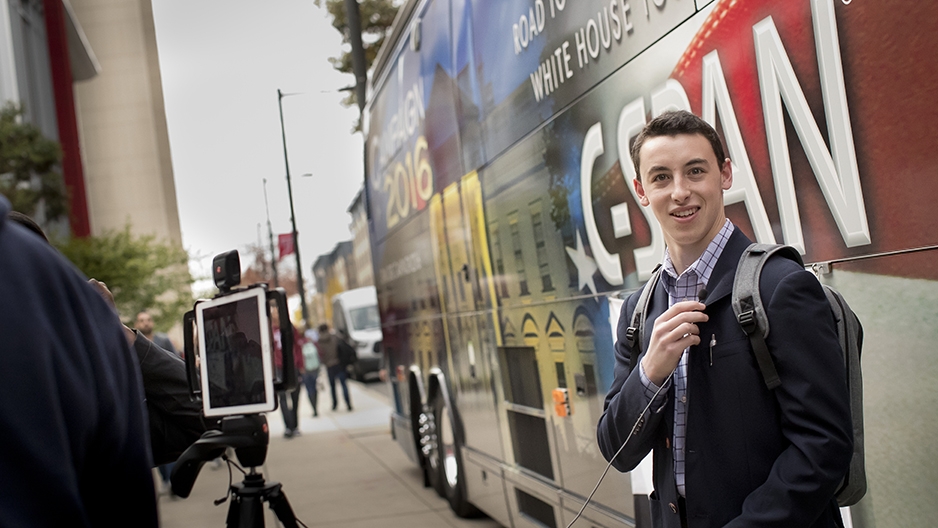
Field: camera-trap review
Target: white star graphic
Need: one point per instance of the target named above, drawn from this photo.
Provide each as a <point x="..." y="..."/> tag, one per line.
<point x="585" y="265"/>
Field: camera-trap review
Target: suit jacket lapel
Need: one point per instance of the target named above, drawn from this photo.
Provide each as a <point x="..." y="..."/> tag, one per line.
<point x="721" y="278"/>
<point x="720" y="285"/>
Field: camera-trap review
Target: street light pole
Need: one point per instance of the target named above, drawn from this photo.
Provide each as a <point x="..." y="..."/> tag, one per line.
<point x="270" y="234"/>
<point x="296" y="244"/>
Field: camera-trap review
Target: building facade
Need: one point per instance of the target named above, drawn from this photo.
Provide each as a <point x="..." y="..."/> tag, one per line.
<point x="86" y="73"/>
<point x="334" y="272"/>
<point x="122" y="123"/>
<point x="361" y="244"/>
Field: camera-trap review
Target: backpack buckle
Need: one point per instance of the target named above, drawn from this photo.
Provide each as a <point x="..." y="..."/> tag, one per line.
<point x="630" y="335"/>
<point x="747" y="320"/>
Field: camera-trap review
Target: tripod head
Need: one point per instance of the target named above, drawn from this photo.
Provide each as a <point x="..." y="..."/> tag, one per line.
<point x="248" y="435"/>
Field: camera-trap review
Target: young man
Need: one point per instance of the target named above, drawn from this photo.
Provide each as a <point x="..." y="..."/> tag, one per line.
<point x="727" y="451"/>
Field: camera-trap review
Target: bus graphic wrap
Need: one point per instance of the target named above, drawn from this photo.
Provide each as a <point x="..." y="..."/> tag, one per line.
<point x="505" y="229"/>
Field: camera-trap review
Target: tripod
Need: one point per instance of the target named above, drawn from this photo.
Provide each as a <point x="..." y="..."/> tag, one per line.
<point x="248" y="435"/>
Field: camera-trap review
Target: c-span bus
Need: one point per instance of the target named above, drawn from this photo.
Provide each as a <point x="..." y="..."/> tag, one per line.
<point x="505" y="229"/>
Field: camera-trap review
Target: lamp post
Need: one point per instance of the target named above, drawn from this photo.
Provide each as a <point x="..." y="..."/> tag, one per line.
<point x="296" y="245"/>
<point x="270" y="234"/>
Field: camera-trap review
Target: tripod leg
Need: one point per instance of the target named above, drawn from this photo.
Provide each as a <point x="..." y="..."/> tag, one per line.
<point x="234" y="512"/>
<point x="281" y="506"/>
<point x="245" y="512"/>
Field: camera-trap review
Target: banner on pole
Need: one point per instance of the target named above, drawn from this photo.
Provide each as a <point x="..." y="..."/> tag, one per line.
<point x="285" y="241"/>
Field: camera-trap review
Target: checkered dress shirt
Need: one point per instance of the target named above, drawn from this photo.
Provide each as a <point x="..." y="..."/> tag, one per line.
<point x="682" y="288"/>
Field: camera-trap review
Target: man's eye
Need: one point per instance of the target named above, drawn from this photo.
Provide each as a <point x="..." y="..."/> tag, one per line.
<point x="658" y="177"/>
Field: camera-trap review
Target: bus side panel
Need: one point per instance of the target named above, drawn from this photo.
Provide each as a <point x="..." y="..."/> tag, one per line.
<point x="827" y="110"/>
<point x="900" y="329"/>
<point x="533" y="240"/>
<point x="710" y="65"/>
<point x="575" y="45"/>
<point x="410" y="314"/>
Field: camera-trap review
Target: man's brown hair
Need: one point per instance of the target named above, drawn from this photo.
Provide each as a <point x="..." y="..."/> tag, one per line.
<point x="672" y="123"/>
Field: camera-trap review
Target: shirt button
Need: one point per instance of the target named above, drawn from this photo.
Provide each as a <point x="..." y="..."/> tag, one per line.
<point x="683" y="399"/>
<point x="673" y="507"/>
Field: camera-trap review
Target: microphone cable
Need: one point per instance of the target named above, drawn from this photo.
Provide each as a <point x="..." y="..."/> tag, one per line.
<point x="631" y="433"/>
<point x="701" y="296"/>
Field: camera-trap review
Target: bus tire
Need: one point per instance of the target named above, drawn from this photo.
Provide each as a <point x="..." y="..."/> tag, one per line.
<point x="430" y="447"/>
<point x="452" y="469"/>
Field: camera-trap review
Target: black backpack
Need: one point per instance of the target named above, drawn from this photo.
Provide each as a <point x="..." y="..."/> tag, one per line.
<point x="347" y="353"/>
<point x="750" y="312"/>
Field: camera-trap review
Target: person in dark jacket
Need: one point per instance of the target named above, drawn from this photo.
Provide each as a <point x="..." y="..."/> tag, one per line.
<point x="175" y="419"/>
<point x="74" y="449"/>
<point x="328" y="346"/>
<point x="727" y="451"/>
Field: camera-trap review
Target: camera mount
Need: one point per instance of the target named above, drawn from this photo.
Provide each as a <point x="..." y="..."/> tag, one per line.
<point x="234" y="333"/>
<point x="248" y="435"/>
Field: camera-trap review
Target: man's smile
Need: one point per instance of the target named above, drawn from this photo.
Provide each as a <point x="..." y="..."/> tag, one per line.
<point x="686" y="212"/>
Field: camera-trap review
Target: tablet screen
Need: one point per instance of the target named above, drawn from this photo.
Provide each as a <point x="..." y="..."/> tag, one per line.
<point x="234" y="338"/>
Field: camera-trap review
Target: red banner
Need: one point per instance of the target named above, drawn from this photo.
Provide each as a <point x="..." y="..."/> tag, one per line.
<point x="285" y="241"/>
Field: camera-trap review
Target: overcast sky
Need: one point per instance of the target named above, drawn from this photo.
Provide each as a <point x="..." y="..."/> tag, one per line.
<point x="222" y="62"/>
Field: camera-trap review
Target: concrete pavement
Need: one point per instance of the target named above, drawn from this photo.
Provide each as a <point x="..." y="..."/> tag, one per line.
<point x="344" y="471"/>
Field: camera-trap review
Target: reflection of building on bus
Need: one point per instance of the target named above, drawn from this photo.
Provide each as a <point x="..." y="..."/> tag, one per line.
<point x="549" y="330"/>
<point x="504" y="228"/>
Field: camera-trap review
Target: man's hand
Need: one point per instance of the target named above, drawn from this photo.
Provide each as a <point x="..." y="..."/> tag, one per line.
<point x="109" y="298"/>
<point x="675" y="330"/>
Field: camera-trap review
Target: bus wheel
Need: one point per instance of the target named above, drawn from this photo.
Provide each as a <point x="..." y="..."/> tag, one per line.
<point x="430" y="448"/>
<point x="450" y="449"/>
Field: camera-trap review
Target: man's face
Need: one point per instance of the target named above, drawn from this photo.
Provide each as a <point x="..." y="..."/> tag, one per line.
<point x="144" y="323"/>
<point x="682" y="182"/>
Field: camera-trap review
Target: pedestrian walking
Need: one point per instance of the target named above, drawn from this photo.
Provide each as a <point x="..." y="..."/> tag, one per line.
<point x="329" y="351"/>
<point x="311" y="376"/>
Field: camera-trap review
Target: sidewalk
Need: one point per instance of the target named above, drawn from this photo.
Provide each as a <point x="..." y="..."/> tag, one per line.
<point x="344" y="471"/>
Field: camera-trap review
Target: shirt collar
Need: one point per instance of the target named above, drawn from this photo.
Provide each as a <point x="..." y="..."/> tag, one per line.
<point x="698" y="272"/>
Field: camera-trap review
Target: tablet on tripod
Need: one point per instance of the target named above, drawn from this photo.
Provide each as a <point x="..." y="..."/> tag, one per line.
<point x="236" y="361"/>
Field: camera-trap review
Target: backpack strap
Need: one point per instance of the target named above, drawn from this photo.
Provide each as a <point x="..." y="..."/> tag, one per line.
<point x="636" y="331"/>
<point x="748" y="307"/>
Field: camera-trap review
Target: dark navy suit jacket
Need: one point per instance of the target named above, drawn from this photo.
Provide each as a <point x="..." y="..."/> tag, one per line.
<point x="73" y="435"/>
<point x="754" y="457"/>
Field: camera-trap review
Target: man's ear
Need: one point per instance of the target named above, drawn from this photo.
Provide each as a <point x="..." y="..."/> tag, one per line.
<point x="640" y="191"/>
<point x="726" y="175"/>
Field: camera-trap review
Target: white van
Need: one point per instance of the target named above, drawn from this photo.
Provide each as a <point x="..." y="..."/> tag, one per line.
<point x="355" y="313"/>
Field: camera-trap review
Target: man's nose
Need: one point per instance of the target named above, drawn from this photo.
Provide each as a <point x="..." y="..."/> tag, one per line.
<point x="679" y="191"/>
